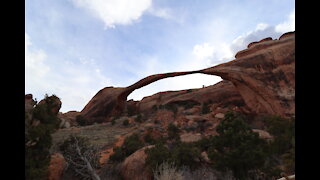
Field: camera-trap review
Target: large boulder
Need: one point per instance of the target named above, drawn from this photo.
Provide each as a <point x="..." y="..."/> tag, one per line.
<point x="134" y="167"/>
<point x="55" y="103"/>
<point x="190" y="137"/>
<point x="56" y="167"/>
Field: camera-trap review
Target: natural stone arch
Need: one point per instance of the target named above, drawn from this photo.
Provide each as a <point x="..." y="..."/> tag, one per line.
<point x="257" y="73"/>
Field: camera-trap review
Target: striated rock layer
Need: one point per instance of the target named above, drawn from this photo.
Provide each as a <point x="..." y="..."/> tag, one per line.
<point x="263" y="74"/>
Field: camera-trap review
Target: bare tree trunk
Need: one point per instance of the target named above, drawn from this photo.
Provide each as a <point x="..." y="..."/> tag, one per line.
<point x="93" y="173"/>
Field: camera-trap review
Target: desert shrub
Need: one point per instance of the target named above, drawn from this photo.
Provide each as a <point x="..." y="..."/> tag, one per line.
<point x="131" y="110"/>
<point x="205" y="109"/>
<point x="138" y="118"/>
<point x="185" y="154"/>
<point x="204" y="143"/>
<point x="154" y="108"/>
<point x="38" y="138"/>
<point x="113" y="121"/>
<point x="82" y="121"/>
<point x="283" y="144"/>
<point x="237" y="147"/>
<point x="167" y="171"/>
<point x="202" y="173"/>
<point x="149" y="139"/>
<point x="283" y="132"/>
<point x="118" y="155"/>
<point x="157" y="155"/>
<point x="130" y="145"/>
<point x="172" y="107"/>
<point x="173" y="132"/>
<point x="181" y="154"/>
<point x="161" y="106"/>
<point x="125" y="122"/>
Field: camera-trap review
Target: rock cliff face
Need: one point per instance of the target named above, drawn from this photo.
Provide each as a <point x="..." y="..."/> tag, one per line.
<point x="263" y="75"/>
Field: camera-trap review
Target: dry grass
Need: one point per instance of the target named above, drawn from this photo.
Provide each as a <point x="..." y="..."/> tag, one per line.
<point x="167" y="171"/>
<point x="101" y="135"/>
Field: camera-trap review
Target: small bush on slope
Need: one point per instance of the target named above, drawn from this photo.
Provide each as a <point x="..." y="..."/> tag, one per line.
<point x="237" y="147"/>
<point x="130" y="145"/>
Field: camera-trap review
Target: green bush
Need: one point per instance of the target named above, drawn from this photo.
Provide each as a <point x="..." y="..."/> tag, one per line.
<point x="113" y="121"/>
<point x="185" y="154"/>
<point x="125" y="122"/>
<point x="138" y="118"/>
<point x="283" y="144"/>
<point x="131" y="110"/>
<point x="171" y="107"/>
<point x="157" y="155"/>
<point x="130" y="145"/>
<point x="181" y="154"/>
<point x="237" y="147"/>
<point x="149" y="139"/>
<point x="118" y="155"/>
<point x="81" y="120"/>
<point x="38" y="138"/>
<point x="205" y="109"/>
<point x="154" y="108"/>
<point x="173" y="132"/>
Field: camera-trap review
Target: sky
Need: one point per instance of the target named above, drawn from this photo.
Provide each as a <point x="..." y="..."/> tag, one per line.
<point x="74" y="48"/>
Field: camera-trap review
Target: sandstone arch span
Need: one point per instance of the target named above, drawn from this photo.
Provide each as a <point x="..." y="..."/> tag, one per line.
<point x="263" y="74"/>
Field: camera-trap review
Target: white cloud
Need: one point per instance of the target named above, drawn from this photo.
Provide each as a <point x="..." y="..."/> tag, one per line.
<point x="165" y="13"/>
<point x="262" y="31"/>
<point x="75" y="83"/>
<point x="288" y="25"/>
<point x="35" y="67"/>
<point x="203" y="51"/>
<point x="113" y="12"/>
<point x="207" y="54"/>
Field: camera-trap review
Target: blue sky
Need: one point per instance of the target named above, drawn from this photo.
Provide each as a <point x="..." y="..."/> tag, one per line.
<point x="74" y="48"/>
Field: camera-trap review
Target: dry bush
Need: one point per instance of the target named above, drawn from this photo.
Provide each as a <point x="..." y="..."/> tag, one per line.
<point x="167" y="171"/>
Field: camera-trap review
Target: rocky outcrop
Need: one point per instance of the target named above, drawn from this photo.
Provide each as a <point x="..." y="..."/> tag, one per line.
<point x="68" y="119"/>
<point x="263" y="74"/>
<point x="134" y="167"/>
<point x="56" y="167"/>
<point x="55" y="103"/>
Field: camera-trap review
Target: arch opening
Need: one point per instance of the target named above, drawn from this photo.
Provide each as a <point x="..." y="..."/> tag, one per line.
<point x="183" y="82"/>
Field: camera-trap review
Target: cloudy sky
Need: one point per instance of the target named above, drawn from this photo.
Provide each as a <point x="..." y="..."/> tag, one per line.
<point x="74" y="48"/>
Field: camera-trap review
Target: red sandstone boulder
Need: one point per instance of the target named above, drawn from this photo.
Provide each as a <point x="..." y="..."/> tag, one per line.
<point x="56" y="167"/>
<point x="134" y="167"/>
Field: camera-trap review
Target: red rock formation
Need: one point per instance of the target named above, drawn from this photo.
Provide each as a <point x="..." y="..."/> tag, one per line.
<point x="263" y="75"/>
<point x="56" y="167"/>
<point x="134" y="167"/>
<point x="70" y="117"/>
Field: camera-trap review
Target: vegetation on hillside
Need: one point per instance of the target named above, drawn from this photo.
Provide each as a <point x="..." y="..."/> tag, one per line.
<point x="40" y="123"/>
<point x="236" y="149"/>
